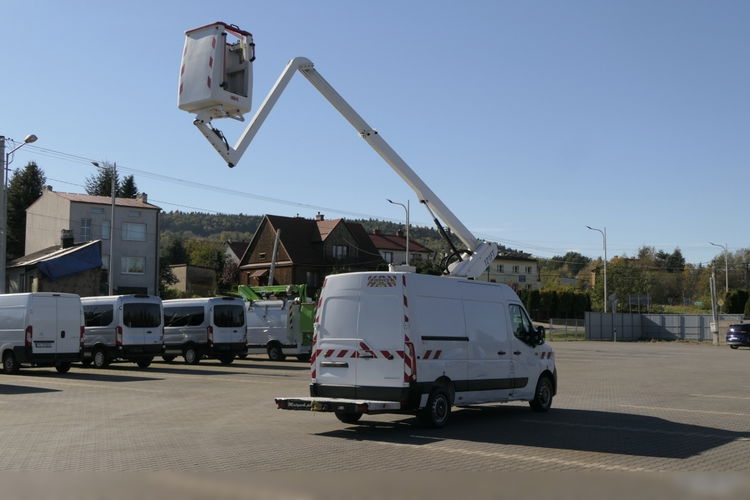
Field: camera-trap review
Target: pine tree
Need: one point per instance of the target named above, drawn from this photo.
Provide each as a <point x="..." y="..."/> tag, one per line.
<point x="127" y="189"/>
<point x="100" y="183"/>
<point x="26" y="185"/>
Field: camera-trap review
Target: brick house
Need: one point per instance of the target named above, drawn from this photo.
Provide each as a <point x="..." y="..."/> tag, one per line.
<point x="308" y="250"/>
<point x="392" y="248"/>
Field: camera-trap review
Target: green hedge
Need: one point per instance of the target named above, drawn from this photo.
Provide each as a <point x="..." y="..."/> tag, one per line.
<point x="546" y="304"/>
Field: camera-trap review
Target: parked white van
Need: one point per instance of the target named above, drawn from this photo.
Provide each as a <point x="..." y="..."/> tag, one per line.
<point x="128" y="327"/>
<point x="212" y="327"/>
<point x="278" y="328"/>
<point x="396" y="342"/>
<point x="40" y="329"/>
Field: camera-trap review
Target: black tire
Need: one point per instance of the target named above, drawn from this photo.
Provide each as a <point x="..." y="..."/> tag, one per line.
<point x="303" y="357"/>
<point x="275" y="353"/>
<point x="226" y="360"/>
<point x="63" y="367"/>
<point x="242" y="356"/>
<point x="734" y="346"/>
<point x="100" y="359"/>
<point x="542" y="395"/>
<point x="86" y="362"/>
<point x="191" y="355"/>
<point x="168" y="357"/>
<point x="10" y="364"/>
<point x="144" y="363"/>
<point x="437" y="411"/>
<point x="348" y="417"/>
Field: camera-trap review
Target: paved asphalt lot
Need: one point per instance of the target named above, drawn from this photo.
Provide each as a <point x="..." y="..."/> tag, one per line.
<point x="626" y="407"/>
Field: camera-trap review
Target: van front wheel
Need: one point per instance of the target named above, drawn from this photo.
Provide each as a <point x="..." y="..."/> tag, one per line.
<point x="542" y="396"/>
<point x="437" y="411"/>
<point x="191" y="356"/>
<point x="275" y="353"/>
<point x="10" y="365"/>
<point x="100" y="358"/>
<point x="144" y="363"/>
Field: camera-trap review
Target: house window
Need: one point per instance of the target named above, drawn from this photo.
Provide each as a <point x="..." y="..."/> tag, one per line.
<point x="528" y="269"/>
<point x="133" y="232"/>
<point x="515" y="269"/>
<point x="133" y="265"/>
<point x="340" y="252"/>
<point x="388" y="257"/>
<point x="134" y="213"/>
<point x="85" y="229"/>
<point x="97" y="210"/>
<point x="105" y="230"/>
<point x="522" y="278"/>
<point x="499" y="268"/>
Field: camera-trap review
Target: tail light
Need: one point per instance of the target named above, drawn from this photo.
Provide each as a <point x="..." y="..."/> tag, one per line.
<point x="83" y="332"/>
<point x="118" y="336"/>
<point x="210" y="335"/>
<point x="29" y="335"/>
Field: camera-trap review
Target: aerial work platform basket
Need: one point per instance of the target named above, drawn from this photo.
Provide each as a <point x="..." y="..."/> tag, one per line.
<point x="216" y="71"/>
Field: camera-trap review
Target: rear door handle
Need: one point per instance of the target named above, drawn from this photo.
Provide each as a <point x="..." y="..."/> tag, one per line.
<point x="501" y="353"/>
<point x="516" y="352"/>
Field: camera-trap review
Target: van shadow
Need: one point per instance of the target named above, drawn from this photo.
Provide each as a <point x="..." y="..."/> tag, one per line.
<point x="564" y="429"/>
<point x="87" y="375"/>
<point x="10" y="390"/>
<point x="288" y="366"/>
<point x="173" y="369"/>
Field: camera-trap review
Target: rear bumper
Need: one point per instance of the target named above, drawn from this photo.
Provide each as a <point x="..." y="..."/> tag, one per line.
<point x="739" y="340"/>
<point x="25" y="355"/>
<point x="337" y="404"/>
<point x="139" y="351"/>
<point x="227" y="348"/>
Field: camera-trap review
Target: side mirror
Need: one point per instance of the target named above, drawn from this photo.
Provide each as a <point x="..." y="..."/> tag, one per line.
<point x="540" y="334"/>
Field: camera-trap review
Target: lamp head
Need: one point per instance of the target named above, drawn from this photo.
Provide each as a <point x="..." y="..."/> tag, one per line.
<point x="29" y="139"/>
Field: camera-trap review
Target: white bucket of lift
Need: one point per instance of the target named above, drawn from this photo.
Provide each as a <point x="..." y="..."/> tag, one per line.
<point x="216" y="74"/>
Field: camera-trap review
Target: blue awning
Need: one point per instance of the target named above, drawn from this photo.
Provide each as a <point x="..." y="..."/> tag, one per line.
<point x="76" y="261"/>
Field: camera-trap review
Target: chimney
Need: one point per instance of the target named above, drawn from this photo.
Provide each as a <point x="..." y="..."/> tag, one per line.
<point x="66" y="238"/>
<point x="376" y="230"/>
<point x="320" y="217"/>
<point x="142" y="197"/>
<point x="400" y="233"/>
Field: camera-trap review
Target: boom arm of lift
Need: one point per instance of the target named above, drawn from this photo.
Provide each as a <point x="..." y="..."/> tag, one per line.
<point x="479" y="253"/>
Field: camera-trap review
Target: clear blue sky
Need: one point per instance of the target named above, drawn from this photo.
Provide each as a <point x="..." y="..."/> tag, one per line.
<point x="530" y="120"/>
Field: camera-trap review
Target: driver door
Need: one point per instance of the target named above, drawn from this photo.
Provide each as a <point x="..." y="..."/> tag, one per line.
<point x="525" y="356"/>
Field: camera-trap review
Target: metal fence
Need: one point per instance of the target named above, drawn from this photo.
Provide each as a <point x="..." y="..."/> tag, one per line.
<point x="632" y="327"/>
<point x="565" y="329"/>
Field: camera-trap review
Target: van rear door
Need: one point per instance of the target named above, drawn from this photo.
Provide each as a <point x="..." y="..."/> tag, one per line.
<point x="142" y="323"/>
<point x="69" y="324"/>
<point x="43" y="321"/>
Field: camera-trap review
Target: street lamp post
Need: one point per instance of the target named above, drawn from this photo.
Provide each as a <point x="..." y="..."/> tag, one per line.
<point x="604" y="240"/>
<point x="406" y="209"/>
<point x="4" y="172"/>
<point x="113" y="174"/>
<point x="726" y="264"/>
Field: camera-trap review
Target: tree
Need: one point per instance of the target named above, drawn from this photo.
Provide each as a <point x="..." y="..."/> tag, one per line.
<point x="100" y="182"/>
<point x="26" y="185"/>
<point x="127" y="189"/>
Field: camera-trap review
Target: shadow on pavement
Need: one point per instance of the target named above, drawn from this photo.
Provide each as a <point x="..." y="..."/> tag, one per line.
<point x="79" y="374"/>
<point x="578" y="430"/>
<point x="19" y="389"/>
<point x="174" y="369"/>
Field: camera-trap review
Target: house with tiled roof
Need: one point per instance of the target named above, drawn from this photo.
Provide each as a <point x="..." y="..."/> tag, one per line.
<point x="392" y="248"/>
<point x="307" y="251"/>
<point x="136" y="234"/>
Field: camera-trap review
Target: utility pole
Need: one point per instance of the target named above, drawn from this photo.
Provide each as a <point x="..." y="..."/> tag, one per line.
<point x="726" y="264"/>
<point x="604" y="240"/>
<point x="273" y="257"/>
<point x="113" y="188"/>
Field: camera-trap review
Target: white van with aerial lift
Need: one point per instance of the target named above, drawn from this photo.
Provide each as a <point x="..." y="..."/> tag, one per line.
<point x="384" y="342"/>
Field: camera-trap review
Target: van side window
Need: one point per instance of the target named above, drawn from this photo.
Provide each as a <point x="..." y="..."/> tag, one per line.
<point x="520" y="323"/>
<point x="183" y="316"/>
<point x="229" y="315"/>
<point x="98" y="315"/>
<point x="141" y="315"/>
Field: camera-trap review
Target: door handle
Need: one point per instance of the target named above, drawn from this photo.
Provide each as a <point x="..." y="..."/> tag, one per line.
<point x="516" y="352"/>
<point x="148" y="331"/>
<point x="501" y="353"/>
<point x="62" y="334"/>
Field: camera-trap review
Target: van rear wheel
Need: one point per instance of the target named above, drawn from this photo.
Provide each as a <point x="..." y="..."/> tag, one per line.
<point x="303" y="357"/>
<point x="348" y="417"/>
<point x="168" y="357"/>
<point x="63" y="367"/>
<point x="437" y="411"/>
<point x="275" y="353"/>
<point x="144" y="363"/>
<point x="191" y="355"/>
<point x="10" y="365"/>
<point x="227" y="359"/>
<point x="100" y="359"/>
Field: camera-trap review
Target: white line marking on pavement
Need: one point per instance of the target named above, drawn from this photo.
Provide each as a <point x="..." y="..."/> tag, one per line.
<point x="688" y="410"/>
<point x="719" y="396"/>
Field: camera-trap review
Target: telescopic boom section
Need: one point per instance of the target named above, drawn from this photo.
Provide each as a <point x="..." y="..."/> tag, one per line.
<point x="480" y="253"/>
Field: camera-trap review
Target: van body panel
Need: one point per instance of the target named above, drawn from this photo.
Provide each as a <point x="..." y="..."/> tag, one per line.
<point x="54" y="321"/>
<point x="189" y="321"/>
<point x="396" y="337"/>
<point x="140" y="319"/>
<point x="279" y="322"/>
